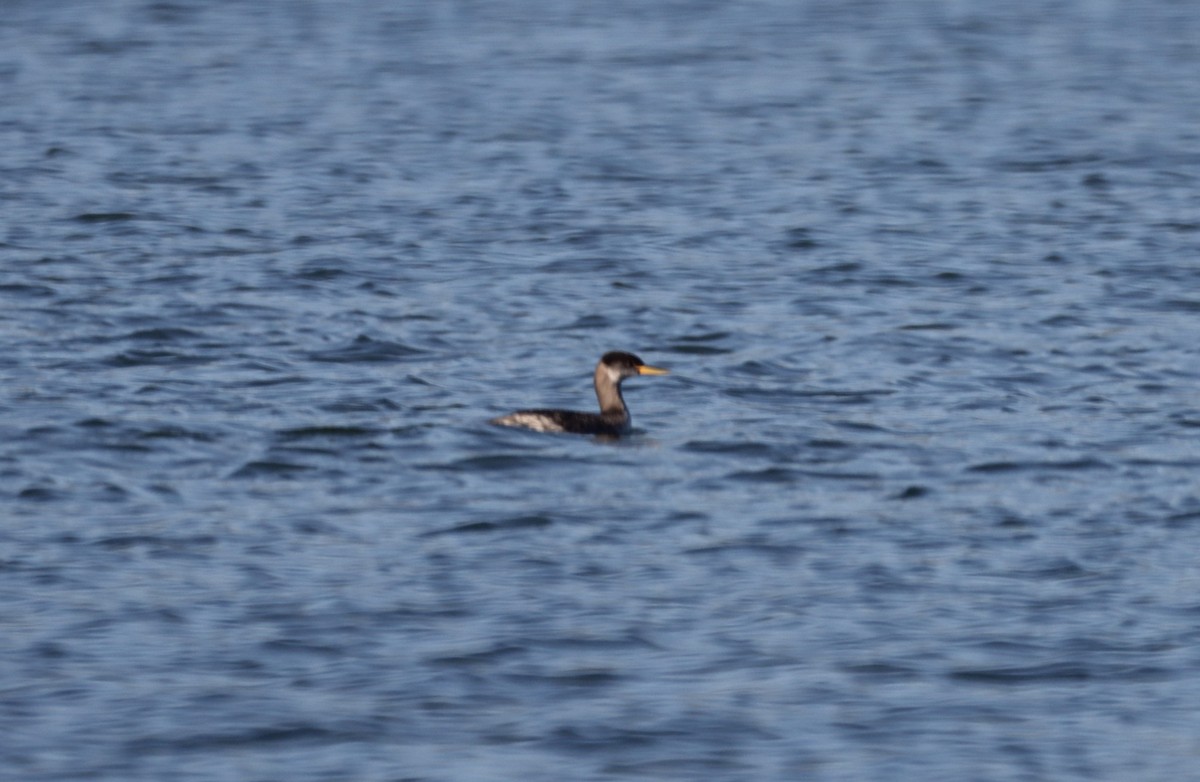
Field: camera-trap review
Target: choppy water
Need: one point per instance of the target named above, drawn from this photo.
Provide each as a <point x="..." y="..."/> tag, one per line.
<point x="919" y="500"/>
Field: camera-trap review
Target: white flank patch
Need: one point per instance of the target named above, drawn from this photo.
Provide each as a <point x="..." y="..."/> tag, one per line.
<point x="538" y="423"/>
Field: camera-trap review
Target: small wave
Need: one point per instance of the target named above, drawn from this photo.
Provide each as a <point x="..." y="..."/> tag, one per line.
<point x="364" y="349"/>
<point x="505" y="525"/>
<point x="1058" y="672"/>
<point x="1037" y="466"/>
<point x="27" y="290"/>
<point x="104" y="217"/>
<point x="156" y="358"/>
<point x="280" y="734"/>
<point x="153" y="541"/>
<point x="162" y="334"/>
<point x="269" y="469"/>
<point x="739" y="448"/>
<point x="326" y="432"/>
<point x="489" y="462"/>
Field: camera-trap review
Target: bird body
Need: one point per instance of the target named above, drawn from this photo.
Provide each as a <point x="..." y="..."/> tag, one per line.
<point x="613" y="419"/>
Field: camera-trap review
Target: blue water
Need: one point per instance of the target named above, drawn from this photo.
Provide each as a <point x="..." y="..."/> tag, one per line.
<point x="919" y="500"/>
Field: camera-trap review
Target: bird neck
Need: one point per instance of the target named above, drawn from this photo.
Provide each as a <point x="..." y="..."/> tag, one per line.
<point x="608" y="392"/>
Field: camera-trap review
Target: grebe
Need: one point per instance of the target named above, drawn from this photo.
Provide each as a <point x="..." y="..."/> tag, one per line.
<point x="613" y="419"/>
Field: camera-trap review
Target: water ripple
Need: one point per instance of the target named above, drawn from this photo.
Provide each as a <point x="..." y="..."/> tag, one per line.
<point x="923" y="475"/>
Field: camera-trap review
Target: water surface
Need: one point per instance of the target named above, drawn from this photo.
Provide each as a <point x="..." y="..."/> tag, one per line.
<point x="918" y="501"/>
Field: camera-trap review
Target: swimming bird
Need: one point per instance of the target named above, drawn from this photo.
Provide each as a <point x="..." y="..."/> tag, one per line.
<point x="613" y="419"/>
